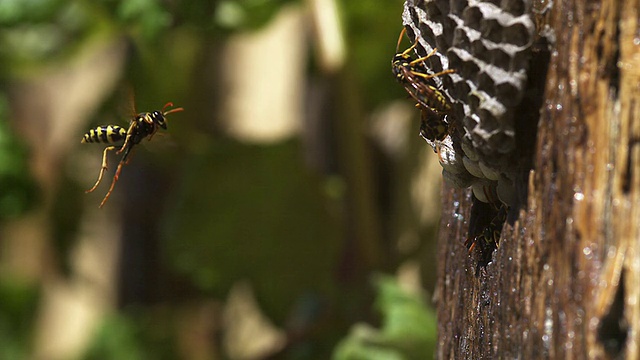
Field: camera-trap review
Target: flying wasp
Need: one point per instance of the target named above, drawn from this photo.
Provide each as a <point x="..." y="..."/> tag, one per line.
<point x="143" y="125"/>
<point x="413" y="75"/>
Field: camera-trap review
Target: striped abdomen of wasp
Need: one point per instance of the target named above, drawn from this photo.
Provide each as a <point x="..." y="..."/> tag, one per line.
<point x="413" y="76"/>
<point x="144" y="125"/>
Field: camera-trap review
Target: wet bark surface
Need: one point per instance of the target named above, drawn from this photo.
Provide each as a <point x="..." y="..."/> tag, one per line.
<point x="565" y="279"/>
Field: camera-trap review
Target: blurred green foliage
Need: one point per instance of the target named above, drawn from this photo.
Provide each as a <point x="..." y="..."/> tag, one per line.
<point x="135" y="335"/>
<point x="246" y="14"/>
<point x="117" y="338"/>
<point x="33" y="31"/>
<point x="18" y="309"/>
<point x="18" y="190"/>
<point x="240" y="212"/>
<point x="372" y="44"/>
<point x="217" y="235"/>
<point x="407" y="331"/>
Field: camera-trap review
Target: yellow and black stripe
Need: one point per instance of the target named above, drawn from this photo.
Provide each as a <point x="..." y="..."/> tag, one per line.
<point x="418" y="82"/>
<point x="412" y="74"/>
<point x="108" y="134"/>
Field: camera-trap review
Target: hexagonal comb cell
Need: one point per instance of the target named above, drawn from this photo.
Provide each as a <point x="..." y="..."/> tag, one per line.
<point x="488" y="44"/>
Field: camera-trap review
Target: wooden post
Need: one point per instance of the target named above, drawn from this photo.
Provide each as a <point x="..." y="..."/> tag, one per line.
<point x="565" y="280"/>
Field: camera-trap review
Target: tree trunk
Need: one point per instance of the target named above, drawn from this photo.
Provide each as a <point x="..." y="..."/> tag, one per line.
<point x="564" y="281"/>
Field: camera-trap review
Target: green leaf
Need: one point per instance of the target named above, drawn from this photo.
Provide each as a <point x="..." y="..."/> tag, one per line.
<point x="408" y="328"/>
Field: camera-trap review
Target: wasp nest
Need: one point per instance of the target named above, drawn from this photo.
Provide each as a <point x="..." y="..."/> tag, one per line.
<point x="488" y="44"/>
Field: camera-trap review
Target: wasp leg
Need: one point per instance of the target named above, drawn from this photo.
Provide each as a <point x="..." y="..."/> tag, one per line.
<point x="127" y="139"/>
<point x="113" y="183"/>
<point x="127" y="156"/>
<point x="406" y="52"/>
<point x="430" y="76"/>
<point x="124" y="161"/>
<point x="104" y="167"/>
<point x="471" y="244"/>
<point x="422" y="59"/>
<point x="491" y="195"/>
<point x="415" y="43"/>
<point x="153" y="133"/>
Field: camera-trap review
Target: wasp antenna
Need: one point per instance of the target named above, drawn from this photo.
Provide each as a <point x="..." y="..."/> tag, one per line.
<point x="404" y="30"/>
<point x="169" y="104"/>
<point x="172" y="111"/>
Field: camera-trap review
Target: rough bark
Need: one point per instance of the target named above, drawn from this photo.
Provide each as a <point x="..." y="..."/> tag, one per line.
<point x="565" y="280"/>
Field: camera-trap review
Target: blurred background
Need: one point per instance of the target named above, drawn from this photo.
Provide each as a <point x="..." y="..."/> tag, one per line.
<point x="289" y="212"/>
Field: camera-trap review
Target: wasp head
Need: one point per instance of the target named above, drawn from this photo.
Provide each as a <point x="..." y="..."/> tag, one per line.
<point x="159" y="119"/>
<point x="399" y="63"/>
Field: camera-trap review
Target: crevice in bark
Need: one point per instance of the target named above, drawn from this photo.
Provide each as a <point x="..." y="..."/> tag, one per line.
<point x="613" y="329"/>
